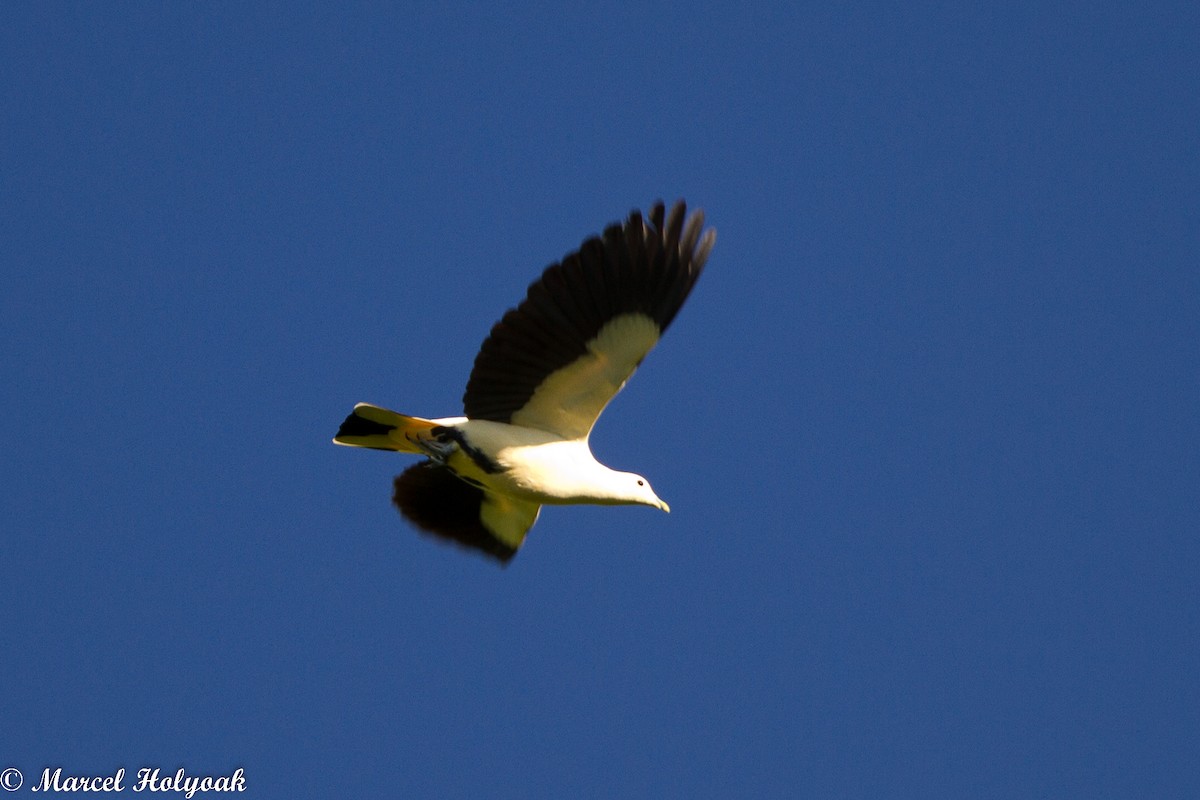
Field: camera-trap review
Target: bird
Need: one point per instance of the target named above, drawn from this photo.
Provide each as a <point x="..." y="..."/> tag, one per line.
<point x="542" y="377"/>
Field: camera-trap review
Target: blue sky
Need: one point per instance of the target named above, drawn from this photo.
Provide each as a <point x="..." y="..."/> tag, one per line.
<point x="928" y="425"/>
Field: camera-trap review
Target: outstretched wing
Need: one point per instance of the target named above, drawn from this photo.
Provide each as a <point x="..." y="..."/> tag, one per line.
<point x="438" y="502"/>
<point x="557" y="359"/>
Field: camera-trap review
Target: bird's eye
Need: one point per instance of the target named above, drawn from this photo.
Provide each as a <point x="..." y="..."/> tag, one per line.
<point x="641" y="483"/>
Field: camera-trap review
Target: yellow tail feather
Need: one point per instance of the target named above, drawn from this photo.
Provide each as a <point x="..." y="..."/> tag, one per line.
<point x="380" y="429"/>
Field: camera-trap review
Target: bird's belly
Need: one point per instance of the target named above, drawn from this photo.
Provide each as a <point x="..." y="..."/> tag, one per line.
<point x="550" y="473"/>
<point x="524" y="463"/>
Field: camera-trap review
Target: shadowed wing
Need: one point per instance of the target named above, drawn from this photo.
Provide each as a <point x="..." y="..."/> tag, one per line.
<point x="557" y="359"/>
<point x="438" y="502"/>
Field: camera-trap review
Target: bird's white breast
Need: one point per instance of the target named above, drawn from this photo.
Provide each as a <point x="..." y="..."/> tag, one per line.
<point x="537" y="465"/>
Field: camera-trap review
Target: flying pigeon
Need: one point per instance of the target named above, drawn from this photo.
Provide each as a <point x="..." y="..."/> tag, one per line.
<point x="542" y="377"/>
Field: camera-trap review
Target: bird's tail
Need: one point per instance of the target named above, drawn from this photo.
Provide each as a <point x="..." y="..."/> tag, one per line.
<point x="380" y="429"/>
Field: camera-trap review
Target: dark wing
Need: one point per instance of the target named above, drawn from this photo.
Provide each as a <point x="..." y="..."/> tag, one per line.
<point x="438" y="502"/>
<point x="557" y="359"/>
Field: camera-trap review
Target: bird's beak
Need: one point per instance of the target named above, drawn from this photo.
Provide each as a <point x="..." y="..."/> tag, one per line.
<point x="663" y="505"/>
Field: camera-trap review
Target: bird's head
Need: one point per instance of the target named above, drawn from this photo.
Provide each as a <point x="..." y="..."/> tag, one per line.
<point x="640" y="493"/>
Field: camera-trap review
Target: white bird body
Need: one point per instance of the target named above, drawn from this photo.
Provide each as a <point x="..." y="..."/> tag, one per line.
<point x="541" y="467"/>
<point x="541" y="379"/>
